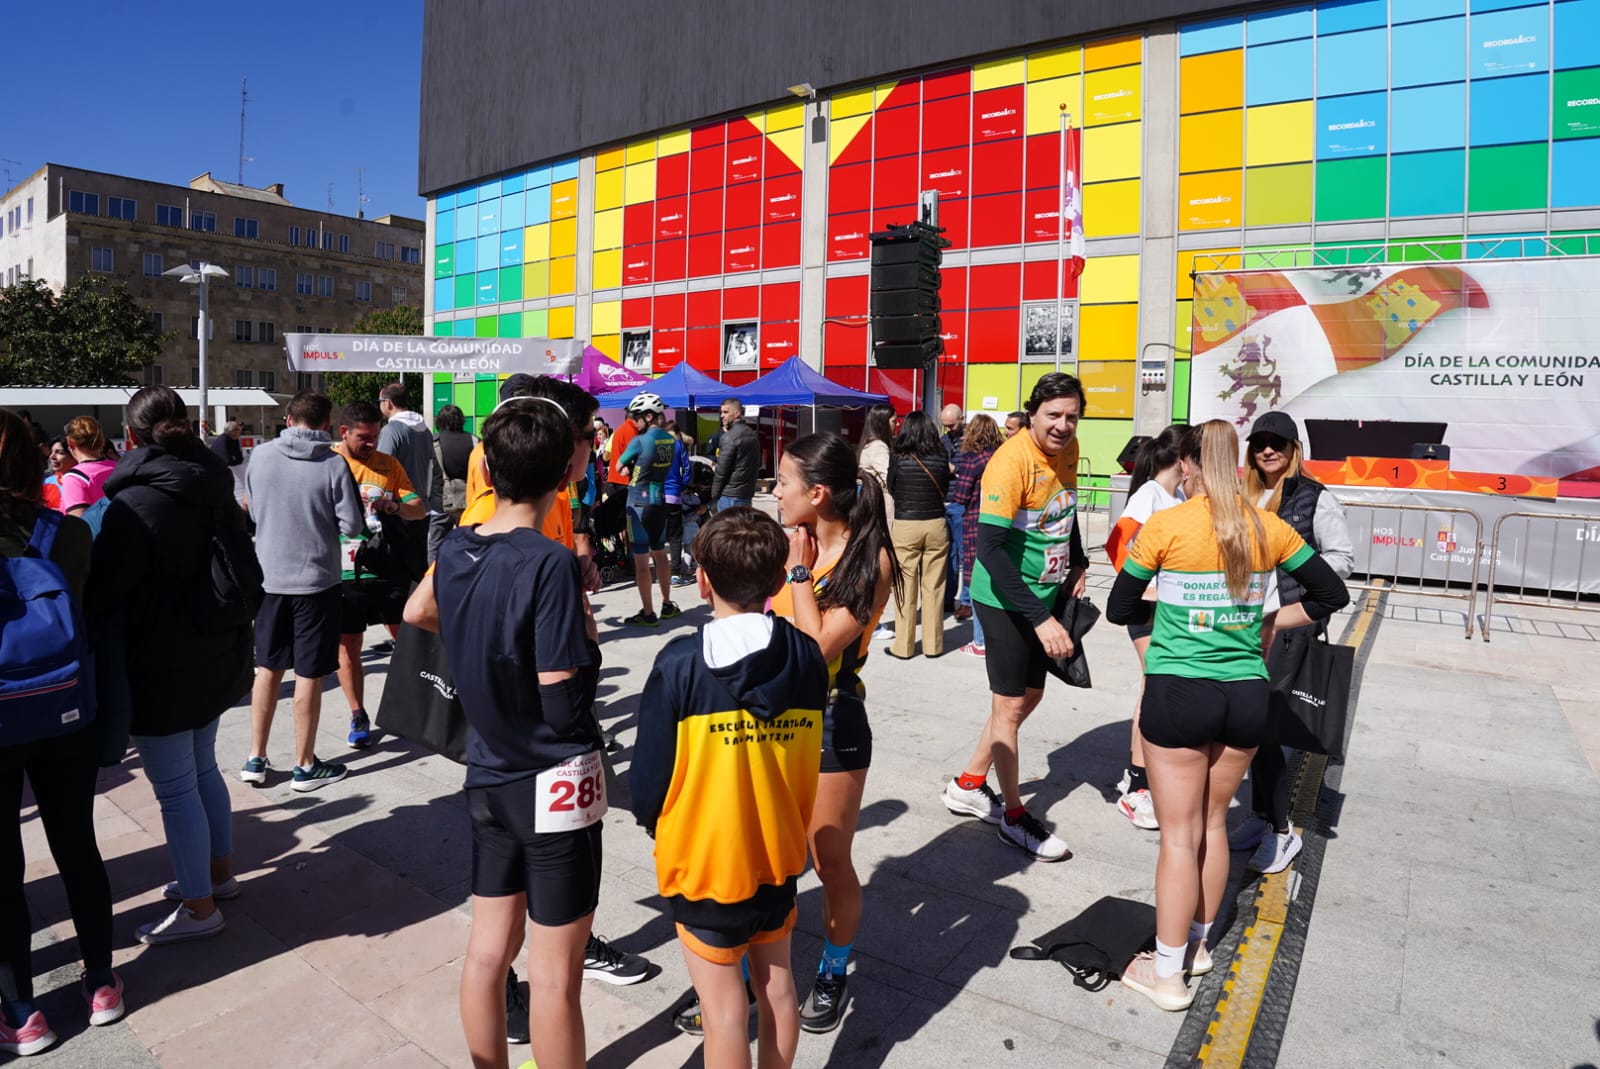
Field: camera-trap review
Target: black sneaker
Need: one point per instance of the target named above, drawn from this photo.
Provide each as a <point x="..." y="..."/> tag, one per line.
<point x="320" y="774"/>
<point x="604" y="962"/>
<point x="823" y="1009"/>
<point x="516" y="1010"/>
<point x="686" y="1018"/>
<point x="643" y="619"/>
<point x="669" y="610"/>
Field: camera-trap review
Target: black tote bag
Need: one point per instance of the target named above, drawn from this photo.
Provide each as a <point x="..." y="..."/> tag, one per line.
<point x="1078" y="616"/>
<point x="1311" y="691"/>
<point x="1097" y="944"/>
<point x="419" y="700"/>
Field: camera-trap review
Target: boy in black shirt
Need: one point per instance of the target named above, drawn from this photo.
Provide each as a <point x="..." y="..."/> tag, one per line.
<point x="511" y="616"/>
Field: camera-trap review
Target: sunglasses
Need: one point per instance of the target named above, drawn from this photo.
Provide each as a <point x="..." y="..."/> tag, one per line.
<point x="1259" y="442"/>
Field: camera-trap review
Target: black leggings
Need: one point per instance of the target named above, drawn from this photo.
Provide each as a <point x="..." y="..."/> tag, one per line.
<point x="1269" y="785"/>
<point x="62" y="772"/>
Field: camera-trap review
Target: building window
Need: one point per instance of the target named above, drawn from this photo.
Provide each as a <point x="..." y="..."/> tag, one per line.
<point x="311" y="238"/>
<point x="303" y="283"/>
<point x="30" y="209"/>
<point x="122" y="208"/>
<point x="83" y="203"/>
<point x="344" y="242"/>
<point x="244" y="277"/>
<point x="267" y="278"/>
<point x="169" y="215"/>
<point x="206" y="221"/>
<point x="155" y="321"/>
<point x="269" y="381"/>
<point x="194" y="376"/>
<point x="327" y="241"/>
<point x="152" y="374"/>
<point x="269" y="332"/>
<point x="363" y="291"/>
<point x="397" y="295"/>
<point x="11" y="276"/>
<point x="324" y="285"/>
<point x="30" y="268"/>
<point x="154" y="263"/>
<point x="244" y="378"/>
<point x="383" y="250"/>
<point x="410" y="254"/>
<point x="246" y="228"/>
<point x="241" y="330"/>
<point x="294" y="235"/>
<point x="102" y="260"/>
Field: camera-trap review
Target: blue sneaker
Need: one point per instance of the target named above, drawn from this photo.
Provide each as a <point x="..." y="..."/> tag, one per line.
<point x="254" y="771"/>
<point x="320" y="774"/>
<point x="360" y="736"/>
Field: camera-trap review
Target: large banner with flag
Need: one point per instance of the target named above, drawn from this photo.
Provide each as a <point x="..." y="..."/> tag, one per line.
<point x="1506" y="355"/>
<point x="400" y="353"/>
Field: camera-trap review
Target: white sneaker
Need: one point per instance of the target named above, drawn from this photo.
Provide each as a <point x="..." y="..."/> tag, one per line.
<point x="1249" y="833"/>
<point x="223" y="891"/>
<point x="1138" y="808"/>
<point x="884" y="633"/>
<point x="179" y="926"/>
<point x="1275" y="852"/>
<point x="1033" y="839"/>
<point x="980" y="802"/>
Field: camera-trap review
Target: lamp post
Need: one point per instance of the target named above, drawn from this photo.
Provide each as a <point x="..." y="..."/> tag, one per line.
<point x="196" y="275"/>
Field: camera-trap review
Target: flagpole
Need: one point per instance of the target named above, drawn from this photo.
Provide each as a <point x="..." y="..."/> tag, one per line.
<point x="1061" y="236"/>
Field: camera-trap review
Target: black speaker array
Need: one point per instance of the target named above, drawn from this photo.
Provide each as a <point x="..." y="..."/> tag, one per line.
<point x="905" y="296"/>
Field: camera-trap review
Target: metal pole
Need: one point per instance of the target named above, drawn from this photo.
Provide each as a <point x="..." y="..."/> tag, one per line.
<point x="204" y="330"/>
<point x="1061" y="235"/>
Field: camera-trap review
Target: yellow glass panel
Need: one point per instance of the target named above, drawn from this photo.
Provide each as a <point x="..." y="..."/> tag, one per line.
<point x="851" y="102"/>
<point x="1098" y="55"/>
<point x="536" y="242"/>
<point x="639" y="183"/>
<point x="1112" y="152"/>
<point x="792" y="143"/>
<point x="1054" y="62"/>
<point x="1108" y="386"/>
<point x="608" y="269"/>
<point x="608" y="159"/>
<point x="785" y="117"/>
<point x="1112" y="96"/>
<point x="606" y="317"/>
<point x="610" y="344"/>
<point x="607" y="190"/>
<point x="608" y="229"/>
<point x="1203" y="260"/>
<point x="564" y="199"/>
<point x="1211" y="82"/>
<point x="997" y="72"/>
<point x="559" y="324"/>
<point x="881" y="91"/>
<point x="1210" y="142"/>
<point x="843" y="131"/>
<point x="563" y="274"/>
<point x="563" y="237"/>
<point x="1207" y="201"/>
<point x="996" y="383"/>
<point x="1183" y="329"/>
<point x="1108" y="331"/>
<point x="758" y="119"/>
<point x="1113" y="207"/>
<point x="536" y="280"/>
<point x="1044" y="100"/>
<point x="641" y="150"/>
<point x="1279" y="133"/>
<point x="1109" y="279"/>
<point x="672" y="144"/>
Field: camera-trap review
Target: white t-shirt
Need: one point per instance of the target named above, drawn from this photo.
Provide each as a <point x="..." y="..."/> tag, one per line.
<point x="1148" y="500"/>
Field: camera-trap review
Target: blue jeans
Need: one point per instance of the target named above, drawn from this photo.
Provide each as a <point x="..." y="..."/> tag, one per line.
<point x="734" y="502"/>
<point x="954" y="515"/>
<point x="195" y="810"/>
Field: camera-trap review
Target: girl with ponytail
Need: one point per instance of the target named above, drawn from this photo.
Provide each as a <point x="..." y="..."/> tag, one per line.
<point x="1204" y="710"/>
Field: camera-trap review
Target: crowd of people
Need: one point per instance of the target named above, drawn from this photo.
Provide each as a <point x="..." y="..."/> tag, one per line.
<point x="365" y="516"/>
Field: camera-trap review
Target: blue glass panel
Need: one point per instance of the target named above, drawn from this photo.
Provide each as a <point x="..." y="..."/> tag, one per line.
<point x="1506" y="247"/>
<point x="488" y="253"/>
<point x="489" y="190"/>
<point x="1573" y="166"/>
<point x="1352" y="62"/>
<point x="489" y="216"/>
<point x="444" y="224"/>
<point x="466" y="254"/>
<point x="1284" y="24"/>
<point x="511" y="248"/>
<point x="1578" y="34"/>
<point x="1428" y="183"/>
<point x="540" y="176"/>
<point x="1352" y="126"/>
<point x="512" y="211"/>
<point x="538" y="206"/>
<point x="1417" y="10"/>
<point x="1427" y="118"/>
<point x="565" y="169"/>
<point x="1275" y="73"/>
<point x="1506" y="111"/>
<point x="444" y="291"/>
<point x="469" y="195"/>
<point x="465" y="328"/>
<point x="511" y="183"/>
<point x="1344" y="15"/>
<point x="488" y="287"/>
<point x="1426" y="53"/>
<point x="1496" y="5"/>
<point x="444" y="201"/>
<point x="1198" y="37"/>
<point x="1510" y="42"/>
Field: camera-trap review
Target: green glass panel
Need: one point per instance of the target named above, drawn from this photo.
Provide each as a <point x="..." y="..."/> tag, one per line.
<point x="443" y="328"/>
<point x="1101" y="440"/>
<point x="1180" y="392"/>
<point x="486" y="326"/>
<point x="443" y="393"/>
<point x="511" y="325"/>
<point x="466" y="290"/>
<point x="1508" y="177"/>
<point x="1351" y="189"/>
<point x="488" y="393"/>
<point x="1577" y="103"/>
<point x="464" y="397"/>
<point x="535" y="324"/>
<point x="510" y="284"/>
<point x="444" y="261"/>
<point x="1570" y="245"/>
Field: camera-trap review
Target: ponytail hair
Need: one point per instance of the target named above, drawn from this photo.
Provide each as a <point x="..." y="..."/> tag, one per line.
<point x="1241" y="538"/>
<point x="826" y="460"/>
<point x="158" y="416"/>
<point x="1155" y="455"/>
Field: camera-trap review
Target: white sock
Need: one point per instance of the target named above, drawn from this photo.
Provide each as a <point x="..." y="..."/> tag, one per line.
<point x="1169" y="960"/>
<point x="1198" y="932"/>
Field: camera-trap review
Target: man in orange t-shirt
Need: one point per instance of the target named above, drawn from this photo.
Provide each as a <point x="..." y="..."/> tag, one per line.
<point x="616" y="478"/>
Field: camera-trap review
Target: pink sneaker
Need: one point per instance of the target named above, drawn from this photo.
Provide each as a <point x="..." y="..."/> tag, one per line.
<point x="105" y="1003"/>
<point x="972" y="649"/>
<point x="33" y="1037"/>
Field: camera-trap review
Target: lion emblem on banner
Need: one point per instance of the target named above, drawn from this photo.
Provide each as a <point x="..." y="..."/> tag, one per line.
<point x="1253" y="379"/>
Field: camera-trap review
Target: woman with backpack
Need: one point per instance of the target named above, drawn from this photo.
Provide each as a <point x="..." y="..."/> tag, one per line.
<point x="452" y="453"/>
<point x="171" y="506"/>
<point x="85" y="483"/>
<point x="41" y="549"/>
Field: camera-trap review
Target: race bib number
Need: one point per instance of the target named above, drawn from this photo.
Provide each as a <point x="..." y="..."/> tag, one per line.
<point x="347" y="549"/>
<point x="572" y="795"/>
<point x="1056" y="563"/>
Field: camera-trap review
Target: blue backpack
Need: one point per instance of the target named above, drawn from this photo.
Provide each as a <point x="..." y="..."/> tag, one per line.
<point x="46" y="675"/>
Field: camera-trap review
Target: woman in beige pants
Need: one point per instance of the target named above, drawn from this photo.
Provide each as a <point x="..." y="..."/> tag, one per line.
<point x="919" y="475"/>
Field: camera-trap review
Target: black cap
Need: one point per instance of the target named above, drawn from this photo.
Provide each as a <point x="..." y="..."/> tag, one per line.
<point x="1279" y="423"/>
<point x="515" y="385"/>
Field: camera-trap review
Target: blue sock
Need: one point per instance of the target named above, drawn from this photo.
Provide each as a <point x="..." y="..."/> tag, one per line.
<point x="834" y="958"/>
<point x="744" y="967"/>
<point x="18" y="1012"/>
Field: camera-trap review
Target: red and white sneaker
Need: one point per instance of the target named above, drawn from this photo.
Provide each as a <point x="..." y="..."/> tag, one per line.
<point x="105" y="1003"/>
<point x="973" y="649"/>
<point x="33" y="1037"/>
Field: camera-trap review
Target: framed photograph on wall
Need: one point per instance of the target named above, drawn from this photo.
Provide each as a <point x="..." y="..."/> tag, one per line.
<point x="636" y="351"/>
<point x="1040" y="334"/>
<point x="740" y="351"/>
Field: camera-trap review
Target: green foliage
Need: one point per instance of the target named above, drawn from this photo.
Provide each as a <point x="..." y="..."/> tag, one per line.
<point x="346" y="386"/>
<point x="91" y="334"/>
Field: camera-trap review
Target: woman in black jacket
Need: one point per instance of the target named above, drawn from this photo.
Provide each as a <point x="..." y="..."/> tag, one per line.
<point x="919" y="475"/>
<point x="151" y="579"/>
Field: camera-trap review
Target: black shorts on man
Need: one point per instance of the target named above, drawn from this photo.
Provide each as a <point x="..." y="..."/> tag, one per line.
<point x="300" y="632"/>
<point x="364" y="602"/>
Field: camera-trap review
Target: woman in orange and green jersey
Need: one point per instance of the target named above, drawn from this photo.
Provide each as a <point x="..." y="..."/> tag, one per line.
<point x="841" y="573"/>
<point x="1213" y="559"/>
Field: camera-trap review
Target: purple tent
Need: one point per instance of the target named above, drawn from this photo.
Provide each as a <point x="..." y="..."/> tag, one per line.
<point x="601" y="374"/>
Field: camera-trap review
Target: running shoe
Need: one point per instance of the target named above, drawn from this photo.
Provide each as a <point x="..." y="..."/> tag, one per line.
<point x="1275" y="852"/>
<point x="1033" y="839"/>
<point x="687" y="1019"/>
<point x="643" y="619"/>
<point x="516" y="1010"/>
<point x="222" y="892"/>
<point x="33" y="1037"/>
<point x="1248" y="835"/>
<point x="980" y="802"/>
<point x="255" y="771"/>
<point x="683" y="580"/>
<point x="1169" y="993"/>
<point x="885" y="633"/>
<point x="669" y="610"/>
<point x="180" y="926"/>
<point x="607" y="964"/>
<point x="360" y="736"/>
<point x="823" y="1008"/>
<point x="1139" y="809"/>
<point x="105" y="1003"/>
<point x="1197" y="962"/>
<point x="974" y="649"/>
<point x="319" y="775"/>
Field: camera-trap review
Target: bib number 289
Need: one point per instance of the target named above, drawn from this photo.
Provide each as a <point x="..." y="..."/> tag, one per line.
<point x="572" y="795"/>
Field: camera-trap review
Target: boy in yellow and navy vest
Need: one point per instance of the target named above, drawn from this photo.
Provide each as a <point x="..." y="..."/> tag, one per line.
<point x="724" y="777"/>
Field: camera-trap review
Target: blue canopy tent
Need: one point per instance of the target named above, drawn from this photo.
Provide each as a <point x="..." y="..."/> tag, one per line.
<point x="682" y="387"/>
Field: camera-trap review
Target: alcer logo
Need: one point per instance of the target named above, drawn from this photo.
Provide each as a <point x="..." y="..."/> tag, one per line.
<point x="1202" y="621"/>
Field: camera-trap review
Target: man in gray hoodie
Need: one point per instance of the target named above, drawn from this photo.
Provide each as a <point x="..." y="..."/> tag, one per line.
<point x="406" y="437"/>
<point x="302" y="497"/>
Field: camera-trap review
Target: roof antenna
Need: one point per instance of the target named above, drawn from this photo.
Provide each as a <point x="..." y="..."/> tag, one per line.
<point x="330" y="196"/>
<point x="361" y="197"/>
<point x="244" y="98"/>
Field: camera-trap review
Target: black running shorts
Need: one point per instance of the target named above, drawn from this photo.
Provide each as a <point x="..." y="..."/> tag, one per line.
<point x="1013" y="654"/>
<point x="721" y="934"/>
<point x="299" y="632"/>
<point x="846" y="736"/>
<point x="1183" y="713"/>
<point x="558" y="871"/>
<point x="370" y="601"/>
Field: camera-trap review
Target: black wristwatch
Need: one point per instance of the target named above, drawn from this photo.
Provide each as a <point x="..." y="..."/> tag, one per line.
<point x="799" y="574"/>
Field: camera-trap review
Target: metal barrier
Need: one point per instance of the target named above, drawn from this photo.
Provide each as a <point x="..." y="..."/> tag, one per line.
<point x="1584" y="529"/>
<point x="1420" y="544"/>
<point x="1087" y="494"/>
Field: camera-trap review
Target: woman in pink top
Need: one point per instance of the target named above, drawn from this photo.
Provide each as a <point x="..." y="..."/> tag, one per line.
<point x="86" y="483"/>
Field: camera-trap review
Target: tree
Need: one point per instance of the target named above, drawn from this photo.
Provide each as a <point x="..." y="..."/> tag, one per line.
<point x="346" y="386"/>
<point x="93" y="333"/>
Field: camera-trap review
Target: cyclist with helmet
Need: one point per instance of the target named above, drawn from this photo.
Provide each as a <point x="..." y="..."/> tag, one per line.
<point x="648" y="458"/>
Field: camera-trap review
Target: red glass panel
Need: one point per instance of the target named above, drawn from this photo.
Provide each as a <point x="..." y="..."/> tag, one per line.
<point x="672" y="175"/>
<point x="669" y="260"/>
<point x="996" y="220"/>
<point x="703" y="348"/>
<point x="672" y="217"/>
<point x="666" y="350"/>
<point x="997" y="114"/>
<point x="636" y="312"/>
<point x="945" y="123"/>
<point x="780" y="301"/>
<point x="780" y="245"/>
<point x="779" y="341"/>
<point x="847" y="236"/>
<point x="994" y="285"/>
<point x="741" y="250"/>
<point x="1043" y="167"/>
<point x="996" y="167"/>
<point x="895" y="181"/>
<point x="668" y="312"/>
<point x="741" y="302"/>
<point x="742" y="206"/>
<point x="896" y="132"/>
<point x="706" y="167"/>
<point x="705" y="211"/>
<point x="638" y="223"/>
<point x="705" y="309"/>
<point x="849" y="188"/>
<point x="705" y="255"/>
<point x="638" y="268"/>
<point x="946" y="171"/>
<point x="781" y="197"/>
<point x="744" y="160"/>
<point x="713" y="133"/>
<point x="845" y="297"/>
<point x="993" y="336"/>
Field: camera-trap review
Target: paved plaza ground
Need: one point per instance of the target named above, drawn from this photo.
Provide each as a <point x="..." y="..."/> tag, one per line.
<point x="1454" y="921"/>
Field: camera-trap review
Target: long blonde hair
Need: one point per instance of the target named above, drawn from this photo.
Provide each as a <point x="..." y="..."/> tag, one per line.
<point x="1241" y="537"/>
<point x="1254" y="486"/>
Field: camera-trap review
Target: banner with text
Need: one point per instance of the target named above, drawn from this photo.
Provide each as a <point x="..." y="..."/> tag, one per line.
<point x="1505" y="354"/>
<point x="402" y="353"/>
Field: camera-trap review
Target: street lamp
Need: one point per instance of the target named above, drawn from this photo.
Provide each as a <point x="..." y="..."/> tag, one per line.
<point x="196" y="275"/>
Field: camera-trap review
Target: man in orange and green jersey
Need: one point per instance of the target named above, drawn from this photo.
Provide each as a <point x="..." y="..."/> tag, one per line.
<point x="1030" y="561"/>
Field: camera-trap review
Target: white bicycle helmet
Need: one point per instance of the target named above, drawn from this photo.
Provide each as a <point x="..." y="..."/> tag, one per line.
<point x="646" y="404"/>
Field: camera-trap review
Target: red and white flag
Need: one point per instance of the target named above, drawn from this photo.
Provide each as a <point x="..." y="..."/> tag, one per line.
<point x="1072" y="201"/>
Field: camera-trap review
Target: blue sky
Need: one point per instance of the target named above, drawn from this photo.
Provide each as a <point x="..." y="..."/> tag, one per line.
<point x="151" y="90"/>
